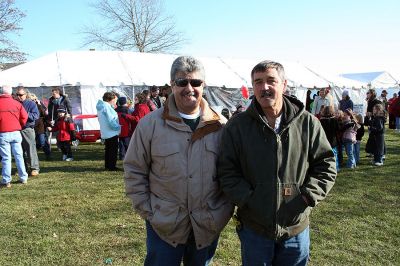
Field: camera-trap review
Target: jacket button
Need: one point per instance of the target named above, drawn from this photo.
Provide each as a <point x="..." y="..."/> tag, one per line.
<point x="191" y="212"/>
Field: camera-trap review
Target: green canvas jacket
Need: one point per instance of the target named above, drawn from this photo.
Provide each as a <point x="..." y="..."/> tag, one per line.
<point x="266" y="174"/>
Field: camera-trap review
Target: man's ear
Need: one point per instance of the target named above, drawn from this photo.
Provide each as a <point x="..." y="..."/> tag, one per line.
<point x="284" y="86"/>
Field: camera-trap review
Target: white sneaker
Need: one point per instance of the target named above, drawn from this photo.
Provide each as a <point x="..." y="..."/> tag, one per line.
<point x="64" y="157"/>
<point x="69" y="159"/>
<point x="378" y="164"/>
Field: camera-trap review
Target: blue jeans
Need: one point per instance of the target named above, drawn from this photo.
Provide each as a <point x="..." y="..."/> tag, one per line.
<point x="11" y="141"/>
<point x="335" y="152"/>
<point x="259" y="250"/>
<point x="123" y="144"/>
<point x="357" y="146"/>
<point x="351" y="161"/>
<point x="41" y="142"/>
<point x="161" y="253"/>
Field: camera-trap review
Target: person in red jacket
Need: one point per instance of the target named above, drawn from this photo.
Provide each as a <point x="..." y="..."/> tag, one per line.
<point x="66" y="133"/>
<point x="129" y="122"/>
<point x="126" y="132"/>
<point x="141" y="109"/>
<point x="394" y="110"/>
<point x="12" y="118"/>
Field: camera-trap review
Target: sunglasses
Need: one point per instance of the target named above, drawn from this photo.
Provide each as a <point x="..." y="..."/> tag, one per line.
<point x="185" y="82"/>
<point x="20" y="95"/>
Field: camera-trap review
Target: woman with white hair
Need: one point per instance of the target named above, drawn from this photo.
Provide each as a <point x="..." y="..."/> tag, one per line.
<point x="345" y="103"/>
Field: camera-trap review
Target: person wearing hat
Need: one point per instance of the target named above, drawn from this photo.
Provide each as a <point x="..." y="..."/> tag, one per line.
<point x="125" y="121"/>
<point x="345" y="103"/>
<point x="122" y="101"/>
<point x="66" y="133"/>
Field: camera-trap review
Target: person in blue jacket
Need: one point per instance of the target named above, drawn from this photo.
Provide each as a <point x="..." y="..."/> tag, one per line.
<point x="109" y="128"/>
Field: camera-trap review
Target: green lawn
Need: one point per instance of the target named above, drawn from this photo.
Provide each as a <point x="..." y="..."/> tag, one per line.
<point x="74" y="213"/>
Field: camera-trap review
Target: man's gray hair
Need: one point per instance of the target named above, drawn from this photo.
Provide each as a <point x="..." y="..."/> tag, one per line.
<point x="6" y="89"/>
<point x="187" y="64"/>
<point x="264" y="65"/>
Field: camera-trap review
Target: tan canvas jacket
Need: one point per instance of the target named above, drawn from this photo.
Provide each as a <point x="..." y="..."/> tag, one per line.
<point x="170" y="175"/>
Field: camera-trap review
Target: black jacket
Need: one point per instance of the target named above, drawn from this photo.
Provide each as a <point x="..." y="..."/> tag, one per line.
<point x="331" y="128"/>
<point x="54" y="104"/>
<point x="377" y="131"/>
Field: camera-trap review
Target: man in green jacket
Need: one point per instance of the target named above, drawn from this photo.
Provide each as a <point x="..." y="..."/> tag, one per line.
<point x="275" y="165"/>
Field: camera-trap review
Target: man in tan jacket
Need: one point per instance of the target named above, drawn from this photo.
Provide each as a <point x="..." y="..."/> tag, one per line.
<point x="170" y="173"/>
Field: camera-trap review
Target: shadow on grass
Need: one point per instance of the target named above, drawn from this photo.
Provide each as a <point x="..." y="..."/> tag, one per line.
<point x="78" y="169"/>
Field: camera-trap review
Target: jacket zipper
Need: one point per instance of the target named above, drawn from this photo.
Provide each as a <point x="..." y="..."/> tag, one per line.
<point x="278" y="150"/>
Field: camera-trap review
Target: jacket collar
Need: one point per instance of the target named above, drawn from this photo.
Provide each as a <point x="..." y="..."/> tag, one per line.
<point x="210" y="121"/>
<point x="292" y="108"/>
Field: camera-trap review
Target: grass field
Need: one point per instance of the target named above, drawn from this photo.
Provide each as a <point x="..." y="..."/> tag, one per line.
<point x="74" y="213"/>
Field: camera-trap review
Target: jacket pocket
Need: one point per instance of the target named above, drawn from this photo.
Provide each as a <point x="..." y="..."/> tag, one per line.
<point x="219" y="212"/>
<point x="166" y="159"/>
<point x="210" y="159"/>
<point x="165" y="214"/>
<point x="292" y="207"/>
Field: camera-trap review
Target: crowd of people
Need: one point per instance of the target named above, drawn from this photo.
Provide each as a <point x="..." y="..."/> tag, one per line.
<point x="55" y="120"/>
<point x="118" y="121"/>
<point x="24" y="122"/>
<point x="345" y="128"/>
<point x="188" y="169"/>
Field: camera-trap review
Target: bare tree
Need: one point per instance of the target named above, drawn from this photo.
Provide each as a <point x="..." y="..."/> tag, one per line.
<point x="137" y="25"/>
<point x="10" y="17"/>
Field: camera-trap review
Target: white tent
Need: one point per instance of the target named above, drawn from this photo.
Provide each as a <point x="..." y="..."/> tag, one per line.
<point x="378" y="80"/>
<point x="113" y="68"/>
<point x="94" y="72"/>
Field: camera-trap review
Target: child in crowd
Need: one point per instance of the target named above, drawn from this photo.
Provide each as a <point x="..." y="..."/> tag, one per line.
<point x="66" y="132"/>
<point x="339" y="117"/>
<point x="330" y="125"/>
<point x="126" y="132"/>
<point x="349" y="128"/>
<point x="377" y="131"/>
<point x="359" y="135"/>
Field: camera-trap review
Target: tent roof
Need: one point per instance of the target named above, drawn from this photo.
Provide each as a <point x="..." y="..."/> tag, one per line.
<point x="380" y="79"/>
<point x="115" y="68"/>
